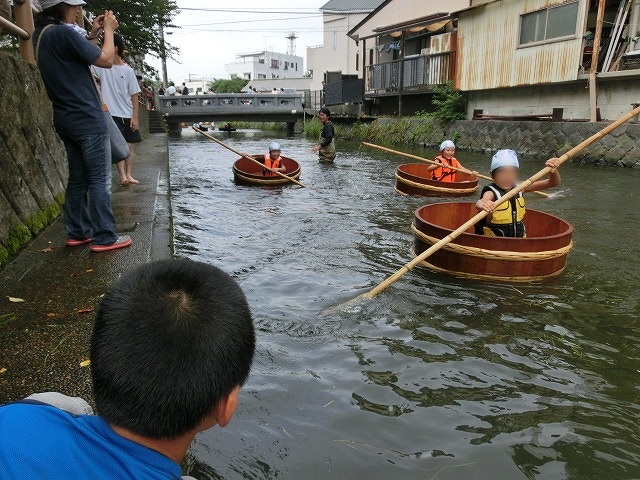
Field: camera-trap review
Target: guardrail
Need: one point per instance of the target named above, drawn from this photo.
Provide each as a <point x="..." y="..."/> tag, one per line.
<point x="413" y="73"/>
<point x="21" y="26"/>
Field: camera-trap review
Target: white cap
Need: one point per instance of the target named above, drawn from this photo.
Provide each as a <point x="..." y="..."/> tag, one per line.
<point x="504" y="158"/>
<point x="274" y="146"/>
<point x="44" y="4"/>
<point x="447" y="144"/>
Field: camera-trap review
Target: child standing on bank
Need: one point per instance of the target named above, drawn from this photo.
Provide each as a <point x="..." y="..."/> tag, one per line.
<point x="444" y="171"/>
<point x="506" y="219"/>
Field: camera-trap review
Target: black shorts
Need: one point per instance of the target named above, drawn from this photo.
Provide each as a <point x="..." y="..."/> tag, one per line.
<point x="124" y="124"/>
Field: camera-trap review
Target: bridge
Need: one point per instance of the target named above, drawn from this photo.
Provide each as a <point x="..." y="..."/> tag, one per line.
<point x="251" y="107"/>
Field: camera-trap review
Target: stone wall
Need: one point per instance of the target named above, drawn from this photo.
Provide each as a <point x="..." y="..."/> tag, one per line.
<point x="544" y="139"/>
<point x="32" y="157"/>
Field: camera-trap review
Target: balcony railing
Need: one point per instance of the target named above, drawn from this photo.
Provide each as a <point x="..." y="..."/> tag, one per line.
<point x="408" y="74"/>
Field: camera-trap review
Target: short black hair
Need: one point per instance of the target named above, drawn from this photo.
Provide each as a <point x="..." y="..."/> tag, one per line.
<point x="326" y="111"/>
<point x="118" y="42"/>
<point x="171" y="339"/>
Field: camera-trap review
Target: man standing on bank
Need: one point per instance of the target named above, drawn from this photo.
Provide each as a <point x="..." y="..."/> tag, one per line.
<point x="326" y="148"/>
<point x="120" y="89"/>
<point x="64" y="58"/>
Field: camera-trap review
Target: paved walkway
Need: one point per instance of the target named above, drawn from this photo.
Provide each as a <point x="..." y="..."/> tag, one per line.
<point x="44" y="339"/>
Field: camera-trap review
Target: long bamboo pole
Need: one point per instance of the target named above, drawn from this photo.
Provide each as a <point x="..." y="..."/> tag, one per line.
<point x="248" y="157"/>
<point x="505" y="198"/>
<point x="426" y="160"/>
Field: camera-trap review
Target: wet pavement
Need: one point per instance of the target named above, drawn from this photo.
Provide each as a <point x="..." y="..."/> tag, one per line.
<point x="45" y="337"/>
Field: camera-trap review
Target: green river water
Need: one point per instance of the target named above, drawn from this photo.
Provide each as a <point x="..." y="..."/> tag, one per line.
<point x="438" y="377"/>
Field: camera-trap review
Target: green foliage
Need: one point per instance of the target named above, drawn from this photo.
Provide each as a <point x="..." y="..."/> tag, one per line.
<point x="234" y="85"/>
<point x="139" y="20"/>
<point x="449" y="104"/>
<point x="312" y="128"/>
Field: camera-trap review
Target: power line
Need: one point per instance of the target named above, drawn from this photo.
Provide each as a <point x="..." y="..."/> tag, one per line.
<point x="248" y="21"/>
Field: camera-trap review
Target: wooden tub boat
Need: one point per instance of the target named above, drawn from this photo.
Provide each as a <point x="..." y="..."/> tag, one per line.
<point x="414" y="179"/>
<point x="245" y="172"/>
<point x="227" y="128"/>
<point x="542" y="254"/>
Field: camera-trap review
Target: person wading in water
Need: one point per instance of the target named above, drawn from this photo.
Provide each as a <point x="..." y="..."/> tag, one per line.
<point x="326" y="148"/>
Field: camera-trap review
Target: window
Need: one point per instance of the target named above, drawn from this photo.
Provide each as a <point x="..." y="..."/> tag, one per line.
<point x="262" y="75"/>
<point x="275" y="63"/>
<point x="550" y="23"/>
<point x="261" y="60"/>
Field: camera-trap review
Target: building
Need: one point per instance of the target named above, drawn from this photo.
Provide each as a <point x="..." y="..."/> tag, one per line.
<point x="265" y="64"/>
<point x="542" y="56"/>
<point x="405" y="48"/>
<point x="337" y="52"/>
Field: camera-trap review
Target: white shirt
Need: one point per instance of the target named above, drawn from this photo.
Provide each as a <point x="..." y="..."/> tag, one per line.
<point x="118" y="85"/>
<point x="171" y="90"/>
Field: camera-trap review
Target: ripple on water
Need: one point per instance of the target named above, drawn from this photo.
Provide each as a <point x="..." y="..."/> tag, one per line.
<point x="438" y="377"/>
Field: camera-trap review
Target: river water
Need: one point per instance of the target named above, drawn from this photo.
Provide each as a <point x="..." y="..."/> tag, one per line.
<point x="438" y="377"/>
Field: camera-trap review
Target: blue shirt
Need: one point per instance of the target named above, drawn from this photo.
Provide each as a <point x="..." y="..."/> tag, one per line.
<point x="45" y="443"/>
<point x="64" y="58"/>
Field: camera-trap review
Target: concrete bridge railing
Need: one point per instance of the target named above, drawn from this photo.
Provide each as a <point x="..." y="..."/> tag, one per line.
<point x="269" y="107"/>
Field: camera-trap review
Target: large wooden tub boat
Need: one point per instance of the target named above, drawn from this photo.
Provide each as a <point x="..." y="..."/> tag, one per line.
<point x="542" y="254"/>
<point x="414" y="179"/>
<point x="246" y="172"/>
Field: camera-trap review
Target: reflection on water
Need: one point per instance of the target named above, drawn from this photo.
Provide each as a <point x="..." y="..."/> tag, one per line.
<point x="438" y="377"/>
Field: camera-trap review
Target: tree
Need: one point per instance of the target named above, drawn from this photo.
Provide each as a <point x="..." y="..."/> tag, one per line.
<point x="139" y="20"/>
<point x="235" y="85"/>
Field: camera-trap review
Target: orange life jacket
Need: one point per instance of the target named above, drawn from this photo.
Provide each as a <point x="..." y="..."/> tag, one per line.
<point x="444" y="174"/>
<point x="269" y="163"/>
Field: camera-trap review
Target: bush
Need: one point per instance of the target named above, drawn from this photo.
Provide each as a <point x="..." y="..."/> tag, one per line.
<point x="449" y="104"/>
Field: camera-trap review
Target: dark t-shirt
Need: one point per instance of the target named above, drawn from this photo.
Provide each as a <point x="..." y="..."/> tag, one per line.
<point x="64" y="58"/>
<point x="328" y="132"/>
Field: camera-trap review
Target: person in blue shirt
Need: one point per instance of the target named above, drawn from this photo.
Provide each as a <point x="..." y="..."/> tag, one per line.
<point x="64" y="58"/>
<point x="172" y="344"/>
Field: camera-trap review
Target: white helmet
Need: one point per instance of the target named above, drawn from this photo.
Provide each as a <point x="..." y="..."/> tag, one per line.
<point x="447" y="144"/>
<point x="504" y="158"/>
<point x="274" y="146"/>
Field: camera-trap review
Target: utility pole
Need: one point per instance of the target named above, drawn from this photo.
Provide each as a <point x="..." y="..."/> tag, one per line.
<point x="163" y="55"/>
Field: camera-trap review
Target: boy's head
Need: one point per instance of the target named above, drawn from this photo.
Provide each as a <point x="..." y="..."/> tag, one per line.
<point x="447" y="149"/>
<point x="118" y="42"/>
<point x="505" y="168"/>
<point x="274" y="150"/>
<point x="172" y="340"/>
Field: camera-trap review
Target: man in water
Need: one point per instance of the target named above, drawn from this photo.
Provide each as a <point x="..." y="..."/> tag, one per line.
<point x="326" y="147"/>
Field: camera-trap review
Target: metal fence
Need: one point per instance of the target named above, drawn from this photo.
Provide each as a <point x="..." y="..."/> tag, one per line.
<point x="413" y="73"/>
<point x="346" y="91"/>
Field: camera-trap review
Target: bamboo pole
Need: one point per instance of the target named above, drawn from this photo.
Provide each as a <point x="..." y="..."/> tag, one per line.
<point x="505" y="198"/>
<point x="248" y="157"/>
<point x="426" y="160"/>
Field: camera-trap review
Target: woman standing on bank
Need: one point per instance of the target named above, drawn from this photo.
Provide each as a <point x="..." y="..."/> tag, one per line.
<point x="64" y="57"/>
<point x="326" y="148"/>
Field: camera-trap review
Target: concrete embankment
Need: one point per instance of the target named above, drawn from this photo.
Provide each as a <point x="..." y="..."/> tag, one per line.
<point x="543" y="139"/>
<point x="33" y="160"/>
<point x="45" y="330"/>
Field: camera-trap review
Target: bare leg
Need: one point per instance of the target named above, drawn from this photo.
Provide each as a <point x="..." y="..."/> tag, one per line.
<point x="129" y="165"/>
<point x="121" y="171"/>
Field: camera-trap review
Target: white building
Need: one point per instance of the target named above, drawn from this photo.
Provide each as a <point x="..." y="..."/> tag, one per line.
<point x="265" y="65"/>
<point x="338" y="53"/>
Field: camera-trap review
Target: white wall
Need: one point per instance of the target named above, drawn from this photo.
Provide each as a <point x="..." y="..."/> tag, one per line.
<point x="338" y="51"/>
<point x="251" y="66"/>
<point x="614" y="99"/>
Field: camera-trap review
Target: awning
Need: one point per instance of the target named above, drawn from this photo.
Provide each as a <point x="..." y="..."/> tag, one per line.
<point x="432" y="27"/>
<point x="431" y="23"/>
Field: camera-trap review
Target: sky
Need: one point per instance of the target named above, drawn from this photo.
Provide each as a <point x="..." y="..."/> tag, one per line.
<point x="209" y="33"/>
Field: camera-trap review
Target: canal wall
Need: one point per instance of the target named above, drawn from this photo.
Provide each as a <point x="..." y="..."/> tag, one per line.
<point x="33" y="160"/>
<point x="544" y="139"/>
<point x="32" y="157"/>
